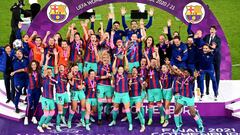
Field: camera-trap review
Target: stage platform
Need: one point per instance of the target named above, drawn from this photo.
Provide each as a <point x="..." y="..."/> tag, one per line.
<point x="213" y="126"/>
<point x="228" y="103"/>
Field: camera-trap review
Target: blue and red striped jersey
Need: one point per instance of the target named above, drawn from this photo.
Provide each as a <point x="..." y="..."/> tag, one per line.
<point x="48" y="87"/>
<point x="177" y="83"/>
<point x="78" y="80"/>
<point x="90" y="53"/>
<point x="187" y="87"/>
<point x="62" y="79"/>
<point x="35" y="80"/>
<point x="91" y="88"/>
<point x="136" y="87"/>
<point x="121" y="82"/>
<point x="143" y="73"/>
<point x="166" y="80"/>
<point x="149" y="51"/>
<point x="49" y="51"/>
<point x="102" y="71"/>
<point x="153" y="76"/>
<point x="119" y="53"/>
<point x="76" y="52"/>
<point x="132" y="53"/>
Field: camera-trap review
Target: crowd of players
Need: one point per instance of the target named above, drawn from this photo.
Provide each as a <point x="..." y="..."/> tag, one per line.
<point x="111" y="66"/>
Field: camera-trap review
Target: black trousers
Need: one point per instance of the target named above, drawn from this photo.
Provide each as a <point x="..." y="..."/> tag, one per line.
<point x="10" y="90"/>
<point x="217" y="63"/>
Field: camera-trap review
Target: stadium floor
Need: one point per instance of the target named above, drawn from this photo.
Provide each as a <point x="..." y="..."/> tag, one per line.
<point x="213" y="125"/>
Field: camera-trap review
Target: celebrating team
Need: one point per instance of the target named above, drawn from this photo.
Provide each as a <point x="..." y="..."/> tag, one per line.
<point x="113" y="66"/>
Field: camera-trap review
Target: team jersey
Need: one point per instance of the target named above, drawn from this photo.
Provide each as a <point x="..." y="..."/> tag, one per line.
<point x="63" y="55"/>
<point x="153" y="76"/>
<point x="90" y="55"/>
<point x="78" y="80"/>
<point x="37" y="51"/>
<point x="105" y="46"/>
<point x="35" y="80"/>
<point x="20" y="64"/>
<point x="76" y="52"/>
<point x="181" y="51"/>
<point x="119" y="52"/>
<point x="102" y="71"/>
<point x="166" y="80"/>
<point x="135" y="88"/>
<point x="48" y="84"/>
<point x="62" y="80"/>
<point x="206" y="61"/>
<point x="184" y="86"/>
<point x="121" y="82"/>
<point x="91" y="88"/>
<point x="143" y="73"/>
<point x="49" y="51"/>
<point x="149" y="51"/>
<point x="132" y="53"/>
<point x="177" y="84"/>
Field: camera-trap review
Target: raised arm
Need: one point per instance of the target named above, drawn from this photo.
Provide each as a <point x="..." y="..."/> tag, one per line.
<point x="102" y="32"/>
<point x="114" y="68"/>
<point x="92" y="19"/>
<point x="18" y="33"/>
<point x="148" y="61"/>
<point x="111" y="40"/>
<point x="126" y="62"/>
<point x="123" y="12"/>
<point x="30" y="43"/>
<point x="55" y="61"/>
<point x="45" y="38"/>
<point x="72" y="33"/>
<point x="189" y="29"/>
<point x="110" y="21"/>
<point x="149" y="24"/>
<point x="143" y="30"/>
<point x="46" y="65"/>
<point x="96" y="52"/>
<point x="84" y="26"/>
<point x="169" y="35"/>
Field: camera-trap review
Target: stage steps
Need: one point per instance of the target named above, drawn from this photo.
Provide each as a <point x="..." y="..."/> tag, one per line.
<point x="7" y="110"/>
<point x="234" y="107"/>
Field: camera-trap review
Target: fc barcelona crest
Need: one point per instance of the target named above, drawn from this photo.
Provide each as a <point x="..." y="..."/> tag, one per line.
<point x="193" y="12"/>
<point x="57" y="12"/>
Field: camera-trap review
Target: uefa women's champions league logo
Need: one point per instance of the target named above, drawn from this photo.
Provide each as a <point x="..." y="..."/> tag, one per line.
<point x="194" y="12"/>
<point x="58" y="12"/>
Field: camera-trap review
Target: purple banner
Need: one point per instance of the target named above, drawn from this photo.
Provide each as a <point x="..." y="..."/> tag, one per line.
<point x="55" y="15"/>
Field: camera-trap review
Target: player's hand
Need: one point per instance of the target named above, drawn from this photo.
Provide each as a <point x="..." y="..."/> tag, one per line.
<point x="34" y="33"/>
<point x="169" y="22"/>
<point x="165" y="30"/>
<point x="20" y="25"/>
<point x="179" y="58"/>
<point x="101" y="24"/>
<point x="48" y="57"/>
<point x="109" y="75"/>
<point x="214" y="45"/>
<point x="48" y="33"/>
<point x="12" y="73"/>
<point x="151" y="12"/>
<point x="123" y="11"/>
<point x="55" y="52"/>
<point x="142" y="24"/>
<point x="167" y="61"/>
<point x="110" y="16"/>
<point x="196" y="74"/>
<point x="112" y="32"/>
<point x="92" y="18"/>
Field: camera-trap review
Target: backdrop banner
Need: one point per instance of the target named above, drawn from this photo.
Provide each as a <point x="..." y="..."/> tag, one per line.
<point x="58" y="13"/>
